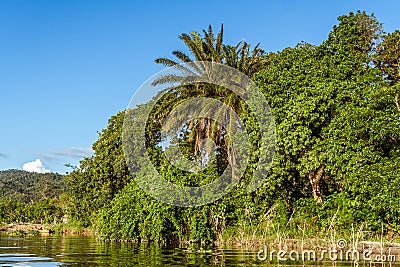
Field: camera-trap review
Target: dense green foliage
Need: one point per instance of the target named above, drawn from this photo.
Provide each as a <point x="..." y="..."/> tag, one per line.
<point x="29" y="186"/>
<point x="46" y="210"/>
<point x="31" y="197"/>
<point x="100" y="177"/>
<point x="337" y="114"/>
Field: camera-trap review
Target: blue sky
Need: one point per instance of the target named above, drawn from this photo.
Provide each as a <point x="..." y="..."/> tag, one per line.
<point x="67" y="66"/>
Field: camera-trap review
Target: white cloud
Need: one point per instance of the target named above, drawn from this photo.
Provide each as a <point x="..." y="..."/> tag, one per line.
<point x="71" y="153"/>
<point x="35" y="166"/>
<point x="74" y="152"/>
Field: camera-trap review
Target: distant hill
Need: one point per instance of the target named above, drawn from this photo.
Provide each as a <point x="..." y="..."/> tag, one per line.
<point x="28" y="186"/>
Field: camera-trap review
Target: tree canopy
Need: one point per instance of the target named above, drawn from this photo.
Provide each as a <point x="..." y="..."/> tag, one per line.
<point x="337" y="115"/>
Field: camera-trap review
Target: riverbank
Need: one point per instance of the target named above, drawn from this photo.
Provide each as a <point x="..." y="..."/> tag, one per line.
<point x="27" y="229"/>
<point x="22" y="229"/>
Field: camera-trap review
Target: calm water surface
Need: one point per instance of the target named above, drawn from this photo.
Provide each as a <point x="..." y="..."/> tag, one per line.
<point x="73" y="250"/>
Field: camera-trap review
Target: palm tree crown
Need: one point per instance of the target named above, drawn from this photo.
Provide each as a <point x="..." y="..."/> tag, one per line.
<point x="211" y="48"/>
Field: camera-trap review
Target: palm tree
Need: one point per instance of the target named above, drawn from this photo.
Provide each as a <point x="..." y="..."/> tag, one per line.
<point x="210" y="48"/>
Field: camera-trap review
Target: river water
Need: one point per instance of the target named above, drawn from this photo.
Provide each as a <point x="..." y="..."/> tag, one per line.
<point x="73" y="250"/>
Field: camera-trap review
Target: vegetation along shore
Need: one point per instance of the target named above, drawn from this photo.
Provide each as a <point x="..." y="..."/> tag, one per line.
<point x="335" y="172"/>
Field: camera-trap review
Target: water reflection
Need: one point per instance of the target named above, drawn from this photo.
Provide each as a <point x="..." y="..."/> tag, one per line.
<point x="46" y="251"/>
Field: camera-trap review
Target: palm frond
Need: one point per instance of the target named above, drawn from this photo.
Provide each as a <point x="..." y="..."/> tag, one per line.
<point x="170" y="78"/>
<point x="192" y="43"/>
<point x="182" y="56"/>
<point x="219" y="40"/>
<point x="186" y="59"/>
<point x="166" y="62"/>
